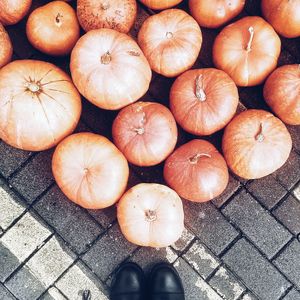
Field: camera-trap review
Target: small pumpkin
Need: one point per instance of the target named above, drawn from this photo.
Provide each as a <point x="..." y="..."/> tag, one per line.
<point x="13" y="11"/>
<point x="151" y="215"/>
<point x="160" y="4"/>
<point x="171" y="40"/>
<point x="256" y="144"/>
<point x="6" y="49"/>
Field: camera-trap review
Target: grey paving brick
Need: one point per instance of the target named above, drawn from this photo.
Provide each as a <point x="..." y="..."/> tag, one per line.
<point x="289" y="214"/>
<point x="226" y="284"/>
<point x="72" y="222"/>
<point x="8" y="262"/>
<point x="105" y="217"/>
<point x="267" y="190"/>
<point x="35" y="177"/>
<point x="295" y="133"/>
<point x="109" y="251"/>
<point x="256" y="272"/>
<point x="5" y="294"/>
<point x="257" y="223"/>
<point x="201" y="259"/>
<point x="185" y="239"/>
<point x="296" y="192"/>
<point x="209" y="225"/>
<point x="292" y="295"/>
<point x="249" y="296"/>
<point x="53" y="294"/>
<point x="195" y="287"/>
<point x="79" y="278"/>
<point x="289" y="262"/>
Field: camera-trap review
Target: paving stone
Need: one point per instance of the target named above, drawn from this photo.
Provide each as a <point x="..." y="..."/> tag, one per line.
<point x="286" y="58"/>
<point x="72" y="222"/>
<point x="194" y="286"/>
<point x="79" y="278"/>
<point x="257" y="223"/>
<point x="295" y="133"/>
<point x="113" y="247"/>
<point x="256" y="272"/>
<point x="249" y="296"/>
<point x="267" y="190"/>
<point x="5" y="294"/>
<point x="185" y="239"/>
<point x="296" y="192"/>
<point x="226" y="284"/>
<point x="35" y="177"/>
<point x="292" y="45"/>
<point x="289" y="214"/>
<point x="209" y="225"/>
<point x="252" y="97"/>
<point x="105" y="217"/>
<point x="53" y="294"/>
<point x="201" y="259"/>
<point x="292" y="295"/>
<point x="289" y="262"/>
<point x="8" y="262"/>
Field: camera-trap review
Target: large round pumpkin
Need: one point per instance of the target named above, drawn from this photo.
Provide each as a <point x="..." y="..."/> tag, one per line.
<point x="109" y="68"/>
<point x="203" y="101"/>
<point x="196" y="171"/>
<point x="145" y="132"/>
<point x="53" y="28"/>
<point x="160" y="4"/>
<point x="282" y="93"/>
<point x="255" y="144"/>
<point x="13" y="11"/>
<point x="90" y="170"/>
<point x="215" y="13"/>
<point x="283" y="15"/>
<point x="6" y="49"/>
<point x="171" y="41"/>
<point x="151" y="215"/>
<point x="247" y="50"/>
<point x="39" y="105"/>
<point x="118" y="14"/>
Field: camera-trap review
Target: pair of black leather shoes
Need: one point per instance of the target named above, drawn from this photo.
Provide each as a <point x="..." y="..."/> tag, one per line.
<point x="130" y="283"/>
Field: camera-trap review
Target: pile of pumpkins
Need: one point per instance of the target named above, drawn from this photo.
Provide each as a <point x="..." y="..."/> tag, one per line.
<point x="40" y="105"/>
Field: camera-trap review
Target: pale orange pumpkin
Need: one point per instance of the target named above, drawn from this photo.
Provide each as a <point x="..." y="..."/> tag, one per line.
<point x="203" y="101"/>
<point x="171" y="41"/>
<point x="6" y="49"/>
<point x="256" y="144"/>
<point x="90" y="170"/>
<point x="53" y="28"/>
<point x="247" y="50"/>
<point x="160" y="4"/>
<point x="39" y="105"/>
<point x="109" y="69"/>
<point x="118" y="14"/>
<point x="145" y="132"/>
<point x="151" y="215"/>
<point x="215" y="13"/>
<point x="282" y="93"/>
<point x="13" y="11"/>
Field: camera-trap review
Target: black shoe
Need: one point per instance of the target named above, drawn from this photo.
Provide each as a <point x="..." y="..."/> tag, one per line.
<point x="164" y="283"/>
<point x="128" y="283"/>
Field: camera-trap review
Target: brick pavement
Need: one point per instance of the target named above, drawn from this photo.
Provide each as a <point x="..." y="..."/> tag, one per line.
<point x="243" y="245"/>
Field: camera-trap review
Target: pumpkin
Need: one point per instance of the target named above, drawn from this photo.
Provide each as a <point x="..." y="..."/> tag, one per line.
<point x="59" y="31"/>
<point x="118" y="14"/>
<point x="255" y="144"/>
<point x="196" y="171"/>
<point x="203" y="101"/>
<point x="151" y="215"/>
<point x="39" y="105"/>
<point x="145" y="132"/>
<point x="215" y="13"/>
<point x="282" y="93"/>
<point x="283" y="15"/>
<point x="160" y="4"/>
<point x="109" y="69"/>
<point x="13" y="11"/>
<point x="6" y="49"/>
<point x="247" y="50"/>
<point x="90" y="170"/>
<point x="171" y="41"/>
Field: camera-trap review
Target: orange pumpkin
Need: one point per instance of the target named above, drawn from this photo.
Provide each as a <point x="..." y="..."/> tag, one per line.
<point x="6" y="49"/>
<point x="215" y="13"/>
<point x="90" y="170"/>
<point x="118" y="14"/>
<point x="145" y="132"/>
<point x="255" y="144"/>
<point x="203" y="101"/>
<point x="109" y="69"/>
<point x="151" y="215"/>
<point x="171" y="41"/>
<point x="247" y="50"/>
<point x="39" y="105"/>
<point x="282" y="93"/>
<point x="196" y="171"/>
<point x="13" y="11"/>
<point x="160" y="4"/>
<point x="283" y="15"/>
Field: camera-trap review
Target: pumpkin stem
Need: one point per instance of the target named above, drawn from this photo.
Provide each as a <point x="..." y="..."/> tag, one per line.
<point x="251" y="31"/>
<point x="194" y="159"/>
<point x="260" y="137"/>
<point x="104" y="6"/>
<point x="169" y="35"/>
<point x="150" y="215"/>
<point x="58" y="19"/>
<point x="140" y="130"/>
<point x="33" y="87"/>
<point x="200" y="94"/>
<point x="106" y="58"/>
